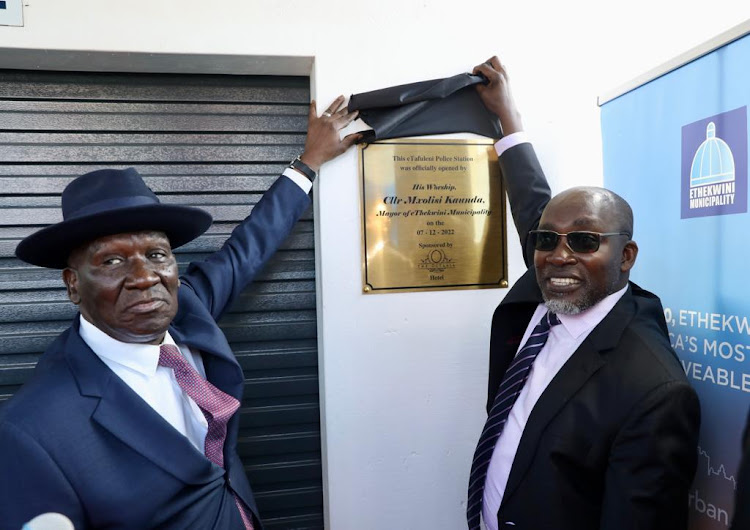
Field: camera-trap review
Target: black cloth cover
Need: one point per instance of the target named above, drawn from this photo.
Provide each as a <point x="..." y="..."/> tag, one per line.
<point x="437" y="106"/>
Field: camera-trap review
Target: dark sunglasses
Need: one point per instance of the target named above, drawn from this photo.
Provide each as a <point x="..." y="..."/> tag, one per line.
<point x="581" y="242"/>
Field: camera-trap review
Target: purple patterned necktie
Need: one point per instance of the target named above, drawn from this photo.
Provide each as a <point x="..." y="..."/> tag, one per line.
<point x="507" y="394"/>
<point x="217" y="406"/>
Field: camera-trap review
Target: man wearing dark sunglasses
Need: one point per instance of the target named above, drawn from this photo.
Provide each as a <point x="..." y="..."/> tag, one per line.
<point x="591" y="422"/>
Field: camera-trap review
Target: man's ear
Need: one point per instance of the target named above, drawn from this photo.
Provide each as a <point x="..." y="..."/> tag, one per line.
<point x="629" y="254"/>
<point x="70" y="277"/>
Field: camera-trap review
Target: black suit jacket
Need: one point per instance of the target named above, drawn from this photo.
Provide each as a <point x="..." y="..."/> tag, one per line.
<point x="612" y="441"/>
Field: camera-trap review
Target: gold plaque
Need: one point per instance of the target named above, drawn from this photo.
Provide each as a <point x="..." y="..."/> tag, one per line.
<point x="433" y="216"/>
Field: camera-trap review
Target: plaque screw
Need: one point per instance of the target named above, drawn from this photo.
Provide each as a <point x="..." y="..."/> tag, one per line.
<point x="366" y="289"/>
<point x="504" y="283"/>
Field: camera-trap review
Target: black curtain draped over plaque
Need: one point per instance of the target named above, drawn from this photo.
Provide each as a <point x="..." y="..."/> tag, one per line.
<point x="437" y="106"/>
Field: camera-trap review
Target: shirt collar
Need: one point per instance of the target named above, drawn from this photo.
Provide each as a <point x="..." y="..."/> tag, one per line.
<point x="141" y="358"/>
<point x="587" y="320"/>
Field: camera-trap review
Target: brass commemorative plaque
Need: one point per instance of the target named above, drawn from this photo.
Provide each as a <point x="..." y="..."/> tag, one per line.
<point x="433" y="216"/>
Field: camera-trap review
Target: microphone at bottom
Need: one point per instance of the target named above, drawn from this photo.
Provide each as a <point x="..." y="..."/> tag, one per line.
<point x="49" y="521"/>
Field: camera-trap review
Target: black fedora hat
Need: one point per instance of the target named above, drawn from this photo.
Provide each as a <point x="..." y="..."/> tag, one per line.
<point x="104" y="203"/>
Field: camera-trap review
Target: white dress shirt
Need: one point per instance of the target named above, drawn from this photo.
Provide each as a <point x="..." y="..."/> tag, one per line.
<point x="506" y="142"/>
<point x="298" y="178"/>
<point x="562" y="342"/>
<point x="138" y="366"/>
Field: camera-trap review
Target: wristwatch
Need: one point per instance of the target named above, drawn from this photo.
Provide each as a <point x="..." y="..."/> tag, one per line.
<point x="303" y="168"/>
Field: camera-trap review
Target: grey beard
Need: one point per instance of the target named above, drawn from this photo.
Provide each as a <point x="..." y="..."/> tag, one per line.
<point x="562" y="307"/>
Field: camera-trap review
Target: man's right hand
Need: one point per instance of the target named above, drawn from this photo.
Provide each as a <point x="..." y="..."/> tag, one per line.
<point x="323" y="142"/>
<point x="497" y="97"/>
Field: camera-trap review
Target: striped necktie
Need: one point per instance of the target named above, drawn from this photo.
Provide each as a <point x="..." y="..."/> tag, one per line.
<point x="217" y="406"/>
<point x="507" y="394"/>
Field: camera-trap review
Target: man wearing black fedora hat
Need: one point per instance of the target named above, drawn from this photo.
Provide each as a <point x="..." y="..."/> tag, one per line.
<point x="129" y="420"/>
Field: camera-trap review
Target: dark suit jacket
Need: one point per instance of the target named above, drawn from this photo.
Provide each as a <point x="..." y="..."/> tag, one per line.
<point x="77" y="440"/>
<point x="612" y="441"/>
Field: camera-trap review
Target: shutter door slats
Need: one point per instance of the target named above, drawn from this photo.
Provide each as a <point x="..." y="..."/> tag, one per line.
<point x="63" y="141"/>
<point x="129" y="88"/>
<point x="36" y="311"/>
<point x="63" y="116"/>
<point x="82" y="109"/>
<point x="70" y="171"/>
<point x="173" y="122"/>
<point x="123" y="155"/>
<point x="284" y="442"/>
<point x="216" y="142"/>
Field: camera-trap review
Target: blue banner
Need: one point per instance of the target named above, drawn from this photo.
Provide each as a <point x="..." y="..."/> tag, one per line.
<point x="677" y="149"/>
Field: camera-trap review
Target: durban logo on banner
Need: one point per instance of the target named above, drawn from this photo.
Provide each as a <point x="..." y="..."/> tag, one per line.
<point x="714" y="165"/>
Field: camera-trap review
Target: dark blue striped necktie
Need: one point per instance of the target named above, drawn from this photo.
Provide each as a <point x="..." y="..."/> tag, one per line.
<point x="507" y="393"/>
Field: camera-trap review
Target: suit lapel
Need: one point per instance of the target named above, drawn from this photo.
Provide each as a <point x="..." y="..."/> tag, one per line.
<point x="220" y="364"/>
<point x="582" y="365"/>
<point x="572" y="376"/>
<point x="128" y="418"/>
<point x="134" y="423"/>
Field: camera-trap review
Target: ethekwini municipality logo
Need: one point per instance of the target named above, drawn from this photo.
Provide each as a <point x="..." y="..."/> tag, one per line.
<point x="714" y="165"/>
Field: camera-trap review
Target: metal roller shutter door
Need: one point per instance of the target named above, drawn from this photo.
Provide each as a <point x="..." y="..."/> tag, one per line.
<point x="211" y="141"/>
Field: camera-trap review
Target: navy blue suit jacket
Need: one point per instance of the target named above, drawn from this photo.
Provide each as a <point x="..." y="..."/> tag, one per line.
<point x="77" y="440"/>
